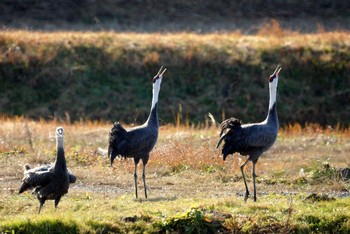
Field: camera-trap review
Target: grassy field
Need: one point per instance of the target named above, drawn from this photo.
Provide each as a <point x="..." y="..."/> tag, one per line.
<point x="90" y="75"/>
<point x="190" y="188"/>
<point x="84" y="64"/>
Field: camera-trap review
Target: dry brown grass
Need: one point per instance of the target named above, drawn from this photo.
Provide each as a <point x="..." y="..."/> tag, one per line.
<point x="182" y="157"/>
<point x="270" y="35"/>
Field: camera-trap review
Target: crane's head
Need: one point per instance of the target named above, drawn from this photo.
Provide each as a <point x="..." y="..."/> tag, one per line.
<point x="274" y="77"/>
<point x="159" y="75"/>
<point x="59" y="132"/>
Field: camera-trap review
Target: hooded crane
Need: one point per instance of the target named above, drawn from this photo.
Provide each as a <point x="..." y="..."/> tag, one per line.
<point x="252" y="139"/>
<point x="137" y="142"/>
<point x="50" y="182"/>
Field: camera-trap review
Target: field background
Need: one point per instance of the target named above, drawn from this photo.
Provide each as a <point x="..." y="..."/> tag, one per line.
<point x="71" y="67"/>
<point x="85" y="64"/>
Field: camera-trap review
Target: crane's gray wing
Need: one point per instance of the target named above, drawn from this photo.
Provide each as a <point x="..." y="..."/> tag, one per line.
<point x="33" y="179"/>
<point x="141" y="141"/>
<point x="72" y="177"/>
<point x="259" y="136"/>
<point x="47" y="167"/>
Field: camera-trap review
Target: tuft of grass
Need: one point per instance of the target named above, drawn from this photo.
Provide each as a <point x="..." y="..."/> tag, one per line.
<point x="323" y="173"/>
<point x="193" y="221"/>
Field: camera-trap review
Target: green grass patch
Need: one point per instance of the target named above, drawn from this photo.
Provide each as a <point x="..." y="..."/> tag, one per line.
<point x="273" y="213"/>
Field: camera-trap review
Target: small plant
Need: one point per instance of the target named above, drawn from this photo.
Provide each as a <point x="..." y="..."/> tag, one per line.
<point x="193" y="221"/>
<point x="323" y="172"/>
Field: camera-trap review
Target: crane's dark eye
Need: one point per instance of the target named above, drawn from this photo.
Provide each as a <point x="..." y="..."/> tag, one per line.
<point x="272" y="78"/>
<point x="155" y="78"/>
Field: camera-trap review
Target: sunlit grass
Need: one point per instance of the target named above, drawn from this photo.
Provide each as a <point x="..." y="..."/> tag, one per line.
<point x="77" y="213"/>
<point x="184" y="172"/>
<point x="229" y="45"/>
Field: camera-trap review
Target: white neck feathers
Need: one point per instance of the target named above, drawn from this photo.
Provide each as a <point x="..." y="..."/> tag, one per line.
<point x="155" y="91"/>
<point x="273" y="92"/>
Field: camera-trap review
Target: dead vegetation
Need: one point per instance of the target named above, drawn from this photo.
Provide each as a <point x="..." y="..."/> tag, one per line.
<point x="183" y="155"/>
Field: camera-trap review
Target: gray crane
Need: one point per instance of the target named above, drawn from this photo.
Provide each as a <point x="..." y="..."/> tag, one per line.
<point x="137" y="142"/>
<point x="50" y="182"/>
<point x="252" y="139"/>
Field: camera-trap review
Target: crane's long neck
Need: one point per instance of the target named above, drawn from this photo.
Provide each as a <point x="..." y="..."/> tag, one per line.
<point x="272" y="116"/>
<point x="153" y="115"/>
<point x="60" y="163"/>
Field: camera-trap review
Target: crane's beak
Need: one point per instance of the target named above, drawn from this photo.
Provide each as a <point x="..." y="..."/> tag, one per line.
<point x="278" y="69"/>
<point x="159" y="74"/>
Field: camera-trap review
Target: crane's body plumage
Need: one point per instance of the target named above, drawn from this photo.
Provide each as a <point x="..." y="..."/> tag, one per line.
<point x="253" y="139"/>
<point x="137" y="142"/>
<point x="50" y="182"/>
<point x="38" y="176"/>
<point x="250" y="139"/>
<point x="134" y="142"/>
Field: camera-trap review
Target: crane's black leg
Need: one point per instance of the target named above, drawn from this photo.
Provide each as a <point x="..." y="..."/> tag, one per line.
<point x="57" y="200"/>
<point x="144" y="179"/>
<point x="254" y="176"/>
<point x="144" y="162"/>
<point x="245" y="183"/>
<point x="136" y="161"/>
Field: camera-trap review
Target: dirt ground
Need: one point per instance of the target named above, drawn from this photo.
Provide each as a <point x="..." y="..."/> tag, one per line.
<point x="174" y="169"/>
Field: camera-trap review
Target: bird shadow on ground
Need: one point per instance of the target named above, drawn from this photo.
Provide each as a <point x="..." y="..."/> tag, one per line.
<point x="155" y="199"/>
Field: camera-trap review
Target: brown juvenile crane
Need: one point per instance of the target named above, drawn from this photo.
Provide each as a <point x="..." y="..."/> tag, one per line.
<point x="139" y="141"/>
<point x="252" y="139"/>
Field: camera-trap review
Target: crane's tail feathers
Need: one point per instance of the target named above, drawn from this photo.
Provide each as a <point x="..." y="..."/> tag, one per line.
<point x="224" y="156"/>
<point x="114" y="154"/>
<point x="24" y="187"/>
<point x="228" y="129"/>
<point x="109" y="151"/>
<point x="230" y="123"/>
<point x="221" y="139"/>
<point x="116" y="130"/>
<point x="117" y="142"/>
